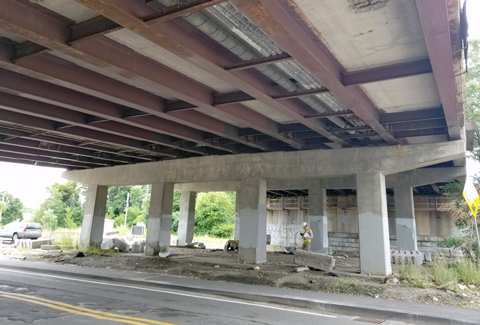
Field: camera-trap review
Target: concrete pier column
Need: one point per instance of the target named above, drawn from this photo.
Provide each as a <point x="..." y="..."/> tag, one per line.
<point x="317" y="211"/>
<point x="373" y="224"/>
<point x="159" y="226"/>
<point x="405" y="218"/>
<point x="253" y="220"/>
<point x="236" y="231"/>
<point x="187" y="218"/>
<point x="94" y="216"/>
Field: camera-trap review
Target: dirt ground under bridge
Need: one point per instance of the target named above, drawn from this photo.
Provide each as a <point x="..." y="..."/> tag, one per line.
<point x="279" y="271"/>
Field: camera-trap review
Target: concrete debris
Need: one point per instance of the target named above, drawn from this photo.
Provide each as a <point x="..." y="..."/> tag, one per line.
<point x="301" y="269"/>
<point x="168" y="253"/>
<point x="314" y="260"/>
<point x="391" y="280"/>
<point x="407" y="257"/>
<point x="290" y="249"/>
<point x="462" y="287"/>
<point x="217" y="266"/>
<point x="137" y="248"/>
<point x="119" y="243"/>
<point x="24" y="243"/>
<point x="39" y="242"/>
<point x="313" y="281"/>
<point x="56" y="247"/>
<point x="256" y="268"/>
<point x="434" y="298"/>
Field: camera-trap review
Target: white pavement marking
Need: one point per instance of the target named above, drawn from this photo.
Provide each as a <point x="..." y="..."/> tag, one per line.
<point x="168" y="292"/>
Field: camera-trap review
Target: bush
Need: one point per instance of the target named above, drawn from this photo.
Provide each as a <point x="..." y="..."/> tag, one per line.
<point x="451" y="241"/>
<point x="214" y="212"/>
<point x="222" y="231"/>
<point x="467" y="244"/>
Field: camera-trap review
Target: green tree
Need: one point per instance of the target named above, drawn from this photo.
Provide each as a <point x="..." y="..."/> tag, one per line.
<point x="215" y="214"/>
<point x="176" y="211"/>
<point x="138" y="204"/>
<point x="48" y="220"/>
<point x="459" y="210"/>
<point x="64" y="203"/>
<point x="472" y="107"/>
<point x="11" y="208"/>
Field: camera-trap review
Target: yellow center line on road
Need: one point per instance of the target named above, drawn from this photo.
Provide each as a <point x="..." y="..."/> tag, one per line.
<point x="81" y="310"/>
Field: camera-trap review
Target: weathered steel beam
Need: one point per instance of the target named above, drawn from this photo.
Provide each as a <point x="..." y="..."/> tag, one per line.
<point x="301" y="93"/>
<point x="160" y="129"/>
<point x="87" y="134"/>
<point x="27" y="143"/>
<point x="258" y="62"/>
<point x="103" y="87"/>
<point x="434" y="18"/>
<point x="415" y="115"/>
<point x="194" y="49"/>
<point x="284" y="26"/>
<point x="34" y="158"/>
<point x="393" y="71"/>
<point x="329" y="114"/>
<point x="41" y="152"/>
<point x="180" y="10"/>
<point x="37" y="163"/>
<point x="108" y="55"/>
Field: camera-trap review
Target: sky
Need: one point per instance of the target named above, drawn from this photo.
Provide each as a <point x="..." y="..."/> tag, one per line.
<point x="28" y="183"/>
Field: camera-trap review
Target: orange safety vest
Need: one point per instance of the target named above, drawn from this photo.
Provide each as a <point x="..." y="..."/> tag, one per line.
<point x="309" y="239"/>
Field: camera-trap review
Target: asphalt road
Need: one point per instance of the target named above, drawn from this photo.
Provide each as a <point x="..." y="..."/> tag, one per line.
<point x="35" y="298"/>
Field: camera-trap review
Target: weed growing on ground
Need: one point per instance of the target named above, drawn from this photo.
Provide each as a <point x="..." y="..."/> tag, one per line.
<point x="416" y="276"/>
<point x="440" y="274"/>
<point x="348" y="286"/>
<point x="468" y="273"/>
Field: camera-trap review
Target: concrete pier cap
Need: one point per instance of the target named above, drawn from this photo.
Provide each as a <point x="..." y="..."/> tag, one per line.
<point x="251" y="175"/>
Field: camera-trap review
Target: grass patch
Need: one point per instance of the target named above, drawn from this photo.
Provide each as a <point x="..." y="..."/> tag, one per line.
<point x="440" y="274"/>
<point x="62" y="236"/>
<point x="348" y="286"/>
<point x="416" y="276"/>
<point x="468" y="273"/>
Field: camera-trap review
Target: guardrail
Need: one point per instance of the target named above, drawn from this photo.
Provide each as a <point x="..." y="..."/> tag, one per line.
<point x="421" y="203"/>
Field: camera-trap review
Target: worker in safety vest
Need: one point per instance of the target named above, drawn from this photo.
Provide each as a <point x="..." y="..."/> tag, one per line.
<point x="307" y="236"/>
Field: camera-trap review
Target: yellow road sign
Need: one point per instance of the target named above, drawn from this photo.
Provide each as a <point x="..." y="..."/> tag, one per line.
<point x="471" y="196"/>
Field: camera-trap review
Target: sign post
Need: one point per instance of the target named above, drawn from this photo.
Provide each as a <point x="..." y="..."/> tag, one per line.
<point x="471" y="196"/>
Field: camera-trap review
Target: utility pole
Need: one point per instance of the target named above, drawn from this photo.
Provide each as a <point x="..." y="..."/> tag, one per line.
<point x="126" y="209"/>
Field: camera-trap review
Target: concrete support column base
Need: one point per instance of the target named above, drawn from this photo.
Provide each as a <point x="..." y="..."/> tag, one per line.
<point x="318" y="221"/>
<point x="373" y="224"/>
<point x="159" y="226"/>
<point x="187" y="218"/>
<point x="405" y="218"/>
<point x="253" y="221"/>
<point x="94" y="216"/>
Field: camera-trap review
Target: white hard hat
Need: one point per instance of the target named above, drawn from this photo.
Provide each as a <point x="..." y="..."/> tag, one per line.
<point x="304" y="224"/>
